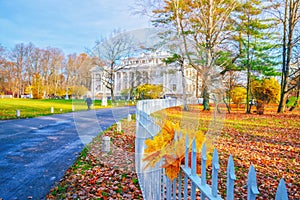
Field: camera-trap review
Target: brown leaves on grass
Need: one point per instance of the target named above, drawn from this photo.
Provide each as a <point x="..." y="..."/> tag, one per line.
<point x="98" y="175"/>
<point x="271" y="143"/>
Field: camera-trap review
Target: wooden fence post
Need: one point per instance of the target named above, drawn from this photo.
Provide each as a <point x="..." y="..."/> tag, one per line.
<point x="119" y="126"/>
<point x="105" y="144"/>
<point x="18" y="113"/>
<point x="129" y="117"/>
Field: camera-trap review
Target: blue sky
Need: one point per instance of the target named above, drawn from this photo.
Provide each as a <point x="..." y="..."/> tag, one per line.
<point x="71" y="25"/>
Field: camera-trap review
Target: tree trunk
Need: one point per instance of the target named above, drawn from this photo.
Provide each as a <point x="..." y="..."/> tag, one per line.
<point x="248" y="73"/>
<point x="298" y="94"/>
<point x="260" y="107"/>
<point x="289" y="21"/>
<point x="227" y="105"/>
<point x="197" y="84"/>
<point x="185" y="107"/>
<point x="283" y="72"/>
<point x="205" y="99"/>
<point x="112" y="95"/>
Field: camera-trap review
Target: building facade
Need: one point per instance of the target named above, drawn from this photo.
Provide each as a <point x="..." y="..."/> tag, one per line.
<point x="146" y="68"/>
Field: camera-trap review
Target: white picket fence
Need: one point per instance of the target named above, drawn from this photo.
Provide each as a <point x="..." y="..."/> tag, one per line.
<point x="155" y="185"/>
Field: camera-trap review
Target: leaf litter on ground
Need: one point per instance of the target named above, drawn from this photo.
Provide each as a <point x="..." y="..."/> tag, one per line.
<point x="270" y="142"/>
<point x="103" y="175"/>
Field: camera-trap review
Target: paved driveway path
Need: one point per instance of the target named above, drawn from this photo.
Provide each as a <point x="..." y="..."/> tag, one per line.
<point x="35" y="153"/>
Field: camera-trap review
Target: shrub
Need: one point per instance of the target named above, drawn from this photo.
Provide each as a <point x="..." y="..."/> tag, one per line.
<point x="265" y="91"/>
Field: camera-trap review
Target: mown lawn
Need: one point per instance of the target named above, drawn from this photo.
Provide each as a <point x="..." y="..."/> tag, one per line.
<point x="34" y="107"/>
<point x="41" y="107"/>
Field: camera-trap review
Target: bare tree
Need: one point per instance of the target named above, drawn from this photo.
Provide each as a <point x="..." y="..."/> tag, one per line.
<point x="18" y="56"/>
<point x="289" y="15"/>
<point x="109" y="51"/>
<point x="77" y="71"/>
<point x="3" y="70"/>
<point x="202" y="27"/>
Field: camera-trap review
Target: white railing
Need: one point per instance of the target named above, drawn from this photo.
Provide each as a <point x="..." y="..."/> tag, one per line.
<point x="150" y="180"/>
<point x="155" y="185"/>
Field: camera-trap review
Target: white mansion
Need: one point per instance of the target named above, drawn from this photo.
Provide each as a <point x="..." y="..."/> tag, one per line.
<point x="145" y="68"/>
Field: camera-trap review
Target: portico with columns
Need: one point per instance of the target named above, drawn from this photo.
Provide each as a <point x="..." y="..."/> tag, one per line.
<point x="146" y="68"/>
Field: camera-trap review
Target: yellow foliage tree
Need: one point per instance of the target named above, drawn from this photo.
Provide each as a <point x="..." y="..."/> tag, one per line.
<point x="148" y="91"/>
<point x="37" y="87"/>
<point x="238" y="95"/>
<point x="265" y="91"/>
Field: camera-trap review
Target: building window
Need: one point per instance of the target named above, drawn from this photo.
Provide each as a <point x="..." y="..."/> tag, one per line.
<point x="174" y="87"/>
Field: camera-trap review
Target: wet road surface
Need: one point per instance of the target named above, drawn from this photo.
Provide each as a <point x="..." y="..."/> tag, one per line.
<point x="35" y="153"/>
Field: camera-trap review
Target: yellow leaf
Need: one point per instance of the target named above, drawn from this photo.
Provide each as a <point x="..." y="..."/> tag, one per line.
<point x="172" y="166"/>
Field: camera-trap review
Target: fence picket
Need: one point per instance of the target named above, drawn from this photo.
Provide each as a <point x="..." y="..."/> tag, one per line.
<point x="203" y="164"/>
<point x="185" y="194"/>
<point x="187" y="147"/>
<point x="186" y="165"/>
<point x="215" y="170"/>
<point x="230" y="179"/>
<point x="194" y="169"/>
<point x="179" y="184"/>
<point x="281" y="193"/>
<point x="169" y="189"/>
<point x="252" y="184"/>
<point x="174" y="188"/>
<point x="203" y="168"/>
<point x="194" y="158"/>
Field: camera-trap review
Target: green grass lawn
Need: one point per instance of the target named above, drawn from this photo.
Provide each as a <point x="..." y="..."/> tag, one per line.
<point x="40" y="107"/>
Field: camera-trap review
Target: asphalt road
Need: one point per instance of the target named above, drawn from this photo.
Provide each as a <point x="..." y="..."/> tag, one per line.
<point x="35" y="153"/>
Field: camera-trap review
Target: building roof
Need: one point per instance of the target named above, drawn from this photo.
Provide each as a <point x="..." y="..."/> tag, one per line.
<point x="96" y="69"/>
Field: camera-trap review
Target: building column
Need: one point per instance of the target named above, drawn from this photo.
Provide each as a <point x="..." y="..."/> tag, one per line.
<point x="93" y="85"/>
<point x="128" y="80"/>
<point x="122" y="82"/>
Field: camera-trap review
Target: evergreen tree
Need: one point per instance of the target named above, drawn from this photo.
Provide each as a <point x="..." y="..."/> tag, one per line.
<point x="255" y="42"/>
